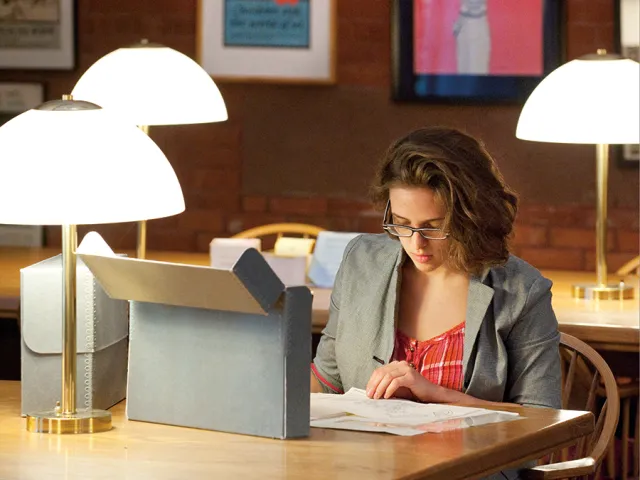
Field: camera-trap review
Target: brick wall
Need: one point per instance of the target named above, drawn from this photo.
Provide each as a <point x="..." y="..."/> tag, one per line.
<point x="208" y="159"/>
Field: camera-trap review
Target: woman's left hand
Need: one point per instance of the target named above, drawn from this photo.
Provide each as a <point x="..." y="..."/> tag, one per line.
<point x="399" y="379"/>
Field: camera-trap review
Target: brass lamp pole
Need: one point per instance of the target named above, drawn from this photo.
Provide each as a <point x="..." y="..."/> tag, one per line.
<point x="602" y="289"/>
<point x="141" y="240"/>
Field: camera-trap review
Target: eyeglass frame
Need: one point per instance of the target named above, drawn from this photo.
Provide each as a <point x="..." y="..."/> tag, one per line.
<point x="387" y="227"/>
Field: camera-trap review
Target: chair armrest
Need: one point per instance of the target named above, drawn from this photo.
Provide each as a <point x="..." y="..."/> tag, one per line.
<point x="571" y="468"/>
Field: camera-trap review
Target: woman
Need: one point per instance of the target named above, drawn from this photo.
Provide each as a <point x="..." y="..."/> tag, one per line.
<point x="437" y="310"/>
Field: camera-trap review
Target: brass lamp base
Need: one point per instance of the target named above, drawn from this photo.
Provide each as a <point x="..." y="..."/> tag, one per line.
<point x="83" y="421"/>
<point x="607" y="292"/>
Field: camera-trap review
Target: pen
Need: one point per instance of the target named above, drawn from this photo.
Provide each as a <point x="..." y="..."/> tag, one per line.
<point x="380" y="361"/>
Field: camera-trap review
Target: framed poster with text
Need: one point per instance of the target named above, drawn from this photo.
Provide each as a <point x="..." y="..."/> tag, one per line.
<point x="281" y="41"/>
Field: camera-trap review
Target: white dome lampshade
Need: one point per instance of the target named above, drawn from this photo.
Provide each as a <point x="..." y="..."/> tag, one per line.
<point x="591" y="100"/>
<point x="72" y="162"/>
<point x="152" y="84"/>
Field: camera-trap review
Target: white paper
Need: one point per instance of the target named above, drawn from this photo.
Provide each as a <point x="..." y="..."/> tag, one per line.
<point x="327" y="257"/>
<point x="355" y="411"/>
<point x="225" y="252"/>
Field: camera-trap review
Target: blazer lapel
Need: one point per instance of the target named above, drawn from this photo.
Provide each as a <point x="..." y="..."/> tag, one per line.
<point x="478" y="301"/>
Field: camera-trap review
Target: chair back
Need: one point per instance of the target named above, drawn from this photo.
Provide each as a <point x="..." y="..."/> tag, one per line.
<point x="280" y="229"/>
<point x="584" y="371"/>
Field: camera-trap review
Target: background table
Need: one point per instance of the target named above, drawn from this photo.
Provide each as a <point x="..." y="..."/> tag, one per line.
<point x="606" y="325"/>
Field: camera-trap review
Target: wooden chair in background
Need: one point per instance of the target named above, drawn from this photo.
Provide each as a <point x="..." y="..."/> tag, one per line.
<point x="582" y="364"/>
<point x="278" y="230"/>
<point x="632" y="266"/>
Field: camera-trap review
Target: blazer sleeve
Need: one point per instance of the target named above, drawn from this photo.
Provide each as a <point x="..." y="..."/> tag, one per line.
<point x="534" y="377"/>
<point x="324" y="365"/>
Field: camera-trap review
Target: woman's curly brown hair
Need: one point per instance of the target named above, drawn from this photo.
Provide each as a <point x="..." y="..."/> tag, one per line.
<point x="480" y="207"/>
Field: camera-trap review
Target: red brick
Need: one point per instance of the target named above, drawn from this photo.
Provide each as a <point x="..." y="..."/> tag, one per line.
<point x="369" y="225"/>
<point x="624" y="218"/>
<point x="342" y="224"/>
<point x="530" y="235"/>
<point x="212" y="199"/>
<point x="614" y="262"/>
<point x="240" y="222"/>
<point x="293" y="205"/>
<point x="203" y="239"/>
<point x="341" y="207"/>
<point x="254" y="204"/>
<point x="578" y="238"/>
<point x="200" y="220"/>
<point x="170" y="239"/>
<point x="165" y="222"/>
<point x="560" y="215"/>
<point x="362" y="9"/>
<point x="628" y="241"/>
<point x="214" y="178"/>
<point x="554" y="258"/>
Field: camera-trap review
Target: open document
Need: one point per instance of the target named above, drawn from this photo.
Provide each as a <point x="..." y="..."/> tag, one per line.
<point x="355" y="411"/>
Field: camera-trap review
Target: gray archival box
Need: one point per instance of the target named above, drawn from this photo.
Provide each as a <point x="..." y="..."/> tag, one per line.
<point x="224" y="350"/>
<point x="102" y="330"/>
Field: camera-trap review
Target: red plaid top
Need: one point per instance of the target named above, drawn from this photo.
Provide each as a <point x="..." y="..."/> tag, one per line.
<point x="438" y="359"/>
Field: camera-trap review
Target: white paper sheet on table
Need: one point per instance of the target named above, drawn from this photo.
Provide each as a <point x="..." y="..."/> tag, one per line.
<point x="355" y="411"/>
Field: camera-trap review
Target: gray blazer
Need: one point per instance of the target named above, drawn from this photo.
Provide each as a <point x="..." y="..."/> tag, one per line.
<point x="511" y="334"/>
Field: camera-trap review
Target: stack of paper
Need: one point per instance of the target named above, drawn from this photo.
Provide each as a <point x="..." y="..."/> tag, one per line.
<point x="355" y="411"/>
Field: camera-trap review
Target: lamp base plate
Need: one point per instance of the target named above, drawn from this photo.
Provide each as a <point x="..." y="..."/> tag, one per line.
<point x="606" y="292"/>
<point x="83" y="421"/>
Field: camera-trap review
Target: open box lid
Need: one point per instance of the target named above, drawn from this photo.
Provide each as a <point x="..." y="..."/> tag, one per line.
<point x="249" y="287"/>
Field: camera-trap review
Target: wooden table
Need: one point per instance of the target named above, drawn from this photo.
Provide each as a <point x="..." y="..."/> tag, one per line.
<point x="151" y="451"/>
<point x="606" y="325"/>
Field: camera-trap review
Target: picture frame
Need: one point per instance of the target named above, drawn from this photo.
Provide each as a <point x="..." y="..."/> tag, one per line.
<point x="626" y="42"/>
<point x="37" y="34"/>
<point x="15" y="98"/>
<point x="447" y="51"/>
<point x="276" y="41"/>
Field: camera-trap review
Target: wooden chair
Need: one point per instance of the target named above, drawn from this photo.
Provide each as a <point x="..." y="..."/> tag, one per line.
<point x="632" y="266"/>
<point x="280" y="229"/>
<point x="581" y="362"/>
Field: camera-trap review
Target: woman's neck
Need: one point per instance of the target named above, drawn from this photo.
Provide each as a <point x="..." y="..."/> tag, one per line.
<point x="440" y="275"/>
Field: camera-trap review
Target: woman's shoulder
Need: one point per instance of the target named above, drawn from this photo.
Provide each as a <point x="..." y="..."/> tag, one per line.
<point x="517" y="275"/>
<point x="371" y="252"/>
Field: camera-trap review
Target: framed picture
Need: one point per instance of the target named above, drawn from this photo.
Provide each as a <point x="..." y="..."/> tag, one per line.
<point x="627" y="44"/>
<point x="37" y="34"/>
<point x="16" y="98"/>
<point x="474" y="50"/>
<point x="282" y="41"/>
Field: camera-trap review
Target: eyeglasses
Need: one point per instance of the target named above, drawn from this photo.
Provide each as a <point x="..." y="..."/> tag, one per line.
<point x="427" y="233"/>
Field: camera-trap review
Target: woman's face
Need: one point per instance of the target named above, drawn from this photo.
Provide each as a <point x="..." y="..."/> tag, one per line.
<point x="419" y="207"/>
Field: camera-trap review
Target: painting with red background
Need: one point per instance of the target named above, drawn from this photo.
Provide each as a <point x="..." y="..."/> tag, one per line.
<point x="516" y="37"/>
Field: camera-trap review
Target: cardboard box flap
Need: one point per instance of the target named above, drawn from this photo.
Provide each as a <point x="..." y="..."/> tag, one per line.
<point x="249" y="287"/>
<point x="42" y="315"/>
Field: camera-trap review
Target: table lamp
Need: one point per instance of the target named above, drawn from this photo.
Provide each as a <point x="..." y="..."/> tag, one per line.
<point x="591" y="100"/>
<point x="150" y="84"/>
<point x="70" y="162"/>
